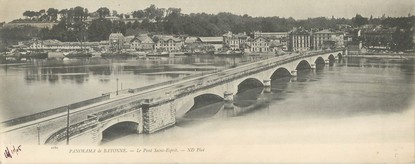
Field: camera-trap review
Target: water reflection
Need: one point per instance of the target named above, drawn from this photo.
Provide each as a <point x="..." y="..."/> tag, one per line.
<point x="328" y="91"/>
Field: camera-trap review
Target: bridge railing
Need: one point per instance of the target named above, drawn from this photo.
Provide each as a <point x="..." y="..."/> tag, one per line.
<point x="74" y="129"/>
<point x="54" y="111"/>
<point x="231" y="74"/>
<point x="223" y="77"/>
<point x="115" y="112"/>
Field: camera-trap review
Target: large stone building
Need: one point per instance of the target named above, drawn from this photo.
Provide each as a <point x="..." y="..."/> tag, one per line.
<point x="142" y="42"/>
<point x="216" y="42"/>
<point x="165" y="43"/>
<point x="234" y="41"/>
<point x="299" y="40"/>
<point x="278" y="40"/>
<point x="271" y="35"/>
<point x="377" y="38"/>
<point x="328" y="39"/>
<point x="259" y="44"/>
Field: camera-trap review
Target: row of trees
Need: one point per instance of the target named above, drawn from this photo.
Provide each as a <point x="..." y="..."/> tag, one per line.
<point x="73" y="26"/>
<point x="42" y="15"/>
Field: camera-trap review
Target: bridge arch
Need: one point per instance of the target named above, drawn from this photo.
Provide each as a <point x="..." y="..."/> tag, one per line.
<point x="205" y="105"/>
<point x="112" y="122"/>
<point x="118" y="129"/>
<point x="192" y="102"/>
<point x="339" y="57"/>
<point x="280" y="72"/>
<point x="249" y="83"/>
<point x="331" y="59"/>
<point x="303" y="64"/>
<point x="319" y="61"/>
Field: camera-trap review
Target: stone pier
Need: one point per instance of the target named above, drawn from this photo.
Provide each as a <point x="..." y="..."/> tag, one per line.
<point x="228" y="98"/>
<point x="158" y="115"/>
<point x="267" y="85"/>
<point x="294" y="73"/>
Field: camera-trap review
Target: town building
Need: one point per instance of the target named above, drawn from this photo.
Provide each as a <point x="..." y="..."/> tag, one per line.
<point x="377" y="38"/>
<point x="271" y="35"/>
<point x="167" y="43"/>
<point x="328" y="39"/>
<point x="277" y="38"/>
<point x="116" y="41"/>
<point x="39" y="25"/>
<point x="299" y="40"/>
<point x="234" y="41"/>
<point x="142" y="42"/>
<point x="259" y="44"/>
<point x="216" y="42"/>
<point x="53" y="45"/>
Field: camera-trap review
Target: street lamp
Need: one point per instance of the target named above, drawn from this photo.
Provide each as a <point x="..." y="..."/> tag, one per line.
<point x="38" y="134"/>
<point x="117" y="87"/>
<point x="67" y="126"/>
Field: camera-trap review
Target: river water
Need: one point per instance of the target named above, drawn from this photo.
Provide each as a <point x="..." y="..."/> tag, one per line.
<point x="360" y="102"/>
<point x="356" y="101"/>
<point x="46" y="84"/>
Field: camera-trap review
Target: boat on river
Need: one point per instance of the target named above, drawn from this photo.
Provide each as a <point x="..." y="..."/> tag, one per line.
<point x="35" y="55"/>
<point x="117" y="55"/>
<point x="157" y="54"/>
<point x="75" y="54"/>
<point x="228" y="53"/>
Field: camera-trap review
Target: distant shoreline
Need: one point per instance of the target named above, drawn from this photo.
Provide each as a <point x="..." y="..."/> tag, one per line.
<point x="385" y="56"/>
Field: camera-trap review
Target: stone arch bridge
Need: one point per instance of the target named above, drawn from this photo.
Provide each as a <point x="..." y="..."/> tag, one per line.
<point x="154" y="109"/>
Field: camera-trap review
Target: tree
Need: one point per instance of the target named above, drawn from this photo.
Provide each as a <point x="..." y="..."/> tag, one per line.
<point x="115" y="13"/>
<point x="103" y="12"/>
<point x="359" y="20"/>
<point x="86" y="14"/>
<point x="402" y="40"/>
<point x="63" y="13"/>
<point x="139" y="14"/>
<point x="78" y="13"/>
<point x="27" y="14"/>
<point x="52" y="14"/>
<point x="151" y="12"/>
<point x="100" y="29"/>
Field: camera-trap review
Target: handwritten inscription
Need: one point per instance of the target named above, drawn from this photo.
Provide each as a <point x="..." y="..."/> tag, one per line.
<point x="13" y="151"/>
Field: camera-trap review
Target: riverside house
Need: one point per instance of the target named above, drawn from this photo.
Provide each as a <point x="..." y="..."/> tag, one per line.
<point x="166" y="43"/>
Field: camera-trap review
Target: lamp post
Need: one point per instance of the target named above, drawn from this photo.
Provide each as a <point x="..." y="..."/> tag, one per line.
<point x="67" y="126"/>
<point x="38" y="134"/>
<point x="117" y="87"/>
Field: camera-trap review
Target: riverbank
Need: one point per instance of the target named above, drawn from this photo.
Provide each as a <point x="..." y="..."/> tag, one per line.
<point x="385" y="55"/>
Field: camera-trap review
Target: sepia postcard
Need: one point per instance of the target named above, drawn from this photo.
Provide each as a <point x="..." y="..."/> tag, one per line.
<point x="207" y="81"/>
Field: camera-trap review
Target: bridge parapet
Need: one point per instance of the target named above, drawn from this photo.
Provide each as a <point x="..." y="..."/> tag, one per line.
<point x="92" y="121"/>
<point x="74" y="129"/>
<point x="159" y="111"/>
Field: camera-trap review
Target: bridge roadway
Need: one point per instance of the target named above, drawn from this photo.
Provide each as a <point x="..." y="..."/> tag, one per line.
<point x="40" y="130"/>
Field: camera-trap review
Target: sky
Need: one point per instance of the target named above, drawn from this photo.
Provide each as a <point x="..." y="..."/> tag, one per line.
<point x="298" y="9"/>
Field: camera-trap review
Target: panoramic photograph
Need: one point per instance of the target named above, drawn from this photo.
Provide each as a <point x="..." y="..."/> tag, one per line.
<point x="213" y="81"/>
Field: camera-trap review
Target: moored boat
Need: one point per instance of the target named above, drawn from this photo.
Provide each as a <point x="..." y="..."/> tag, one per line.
<point x="77" y="54"/>
<point x="228" y="53"/>
<point x="157" y="54"/>
<point x="35" y="55"/>
<point x="117" y="55"/>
